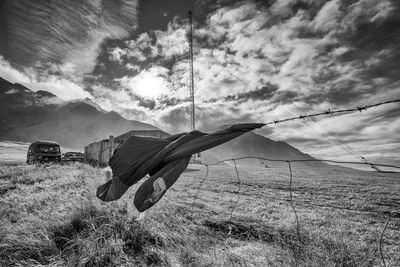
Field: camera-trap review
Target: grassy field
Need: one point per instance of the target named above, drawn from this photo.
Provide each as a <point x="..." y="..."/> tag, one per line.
<point x="50" y="216"/>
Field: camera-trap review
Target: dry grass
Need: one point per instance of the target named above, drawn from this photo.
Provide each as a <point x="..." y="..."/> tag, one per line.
<point x="50" y="216"/>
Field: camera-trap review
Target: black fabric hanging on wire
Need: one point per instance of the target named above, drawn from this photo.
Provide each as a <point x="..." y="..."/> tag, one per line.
<point x="163" y="159"/>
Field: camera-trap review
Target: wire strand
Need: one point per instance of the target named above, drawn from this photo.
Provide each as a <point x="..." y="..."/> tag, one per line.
<point x="198" y="188"/>
<point x="308" y="160"/>
<point x="291" y="202"/>
<point x="238" y="193"/>
<point x="336" y="140"/>
<point x="332" y="112"/>
<point x="380" y="239"/>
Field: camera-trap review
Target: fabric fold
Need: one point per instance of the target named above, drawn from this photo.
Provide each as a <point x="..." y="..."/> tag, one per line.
<point x="112" y="190"/>
<point x="168" y="158"/>
<point x="145" y="197"/>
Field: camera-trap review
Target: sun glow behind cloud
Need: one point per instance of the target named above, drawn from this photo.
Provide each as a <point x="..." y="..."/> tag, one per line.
<point x="150" y="83"/>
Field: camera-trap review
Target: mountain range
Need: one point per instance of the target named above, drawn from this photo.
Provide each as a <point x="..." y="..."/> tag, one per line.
<point x="27" y="116"/>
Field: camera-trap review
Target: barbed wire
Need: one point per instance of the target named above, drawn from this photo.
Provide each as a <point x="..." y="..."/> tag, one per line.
<point x="330" y="136"/>
<point x="395" y="214"/>
<point x="128" y="169"/>
<point x="326" y="112"/>
<point x="333" y="112"/>
<point x="291" y="202"/>
<point x="231" y="73"/>
<point x="380" y="240"/>
<point x="307" y="160"/>
<point x="238" y="192"/>
<point x="198" y="189"/>
<point x="391" y="214"/>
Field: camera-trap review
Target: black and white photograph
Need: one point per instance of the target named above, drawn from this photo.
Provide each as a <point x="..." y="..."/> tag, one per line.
<point x="200" y="133"/>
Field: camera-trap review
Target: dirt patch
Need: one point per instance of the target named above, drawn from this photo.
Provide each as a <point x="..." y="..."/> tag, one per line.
<point x="29" y="181"/>
<point x="5" y="188"/>
<point x="243" y="232"/>
<point x="6" y="177"/>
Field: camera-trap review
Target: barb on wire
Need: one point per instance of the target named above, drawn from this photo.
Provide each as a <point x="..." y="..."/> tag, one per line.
<point x="381" y="237"/>
<point x="332" y="112"/>
<point x="361" y="108"/>
<point x="291" y="201"/>
<point x="264" y="165"/>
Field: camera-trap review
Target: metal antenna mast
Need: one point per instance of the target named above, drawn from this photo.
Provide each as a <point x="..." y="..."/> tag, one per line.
<point x="192" y="117"/>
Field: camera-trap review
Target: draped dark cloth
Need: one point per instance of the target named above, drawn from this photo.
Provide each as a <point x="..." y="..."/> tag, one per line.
<point x="166" y="158"/>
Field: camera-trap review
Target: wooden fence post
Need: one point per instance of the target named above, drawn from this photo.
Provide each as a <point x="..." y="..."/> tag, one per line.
<point x="100" y="154"/>
<point x="111" y="146"/>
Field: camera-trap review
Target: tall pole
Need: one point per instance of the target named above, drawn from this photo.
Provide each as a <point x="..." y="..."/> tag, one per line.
<point x="192" y="117"/>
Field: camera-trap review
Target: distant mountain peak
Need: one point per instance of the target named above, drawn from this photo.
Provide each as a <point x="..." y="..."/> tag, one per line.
<point x="27" y="116"/>
<point x="88" y="101"/>
<point x="114" y="113"/>
<point x="12" y="88"/>
<point x="22" y="88"/>
<point x="45" y="94"/>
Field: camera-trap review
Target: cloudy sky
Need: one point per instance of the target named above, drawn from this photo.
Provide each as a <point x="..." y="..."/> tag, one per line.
<point x="254" y="61"/>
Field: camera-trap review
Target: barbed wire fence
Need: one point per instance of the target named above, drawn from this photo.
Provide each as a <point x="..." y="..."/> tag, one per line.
<point x="292" y="202"/>
<point x="290" y="199"/>
<point x="391" y="214"/>
<point x="333" y="112"/>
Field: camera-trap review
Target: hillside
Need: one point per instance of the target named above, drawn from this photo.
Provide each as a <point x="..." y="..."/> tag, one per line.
<point x="255" y="145"/>
<point x="27" y="116"/>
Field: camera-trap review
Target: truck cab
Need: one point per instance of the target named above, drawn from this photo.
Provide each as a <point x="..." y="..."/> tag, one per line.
<point x="73" y="156"/>
<point x="43" y="151"/>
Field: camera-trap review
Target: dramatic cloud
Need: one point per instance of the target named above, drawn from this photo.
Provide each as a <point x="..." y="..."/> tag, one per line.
<point x="173" y="42"/>
<point x="64" y="32"/>
<point x="63" y="88"/>
<point x="10" y="73"/>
